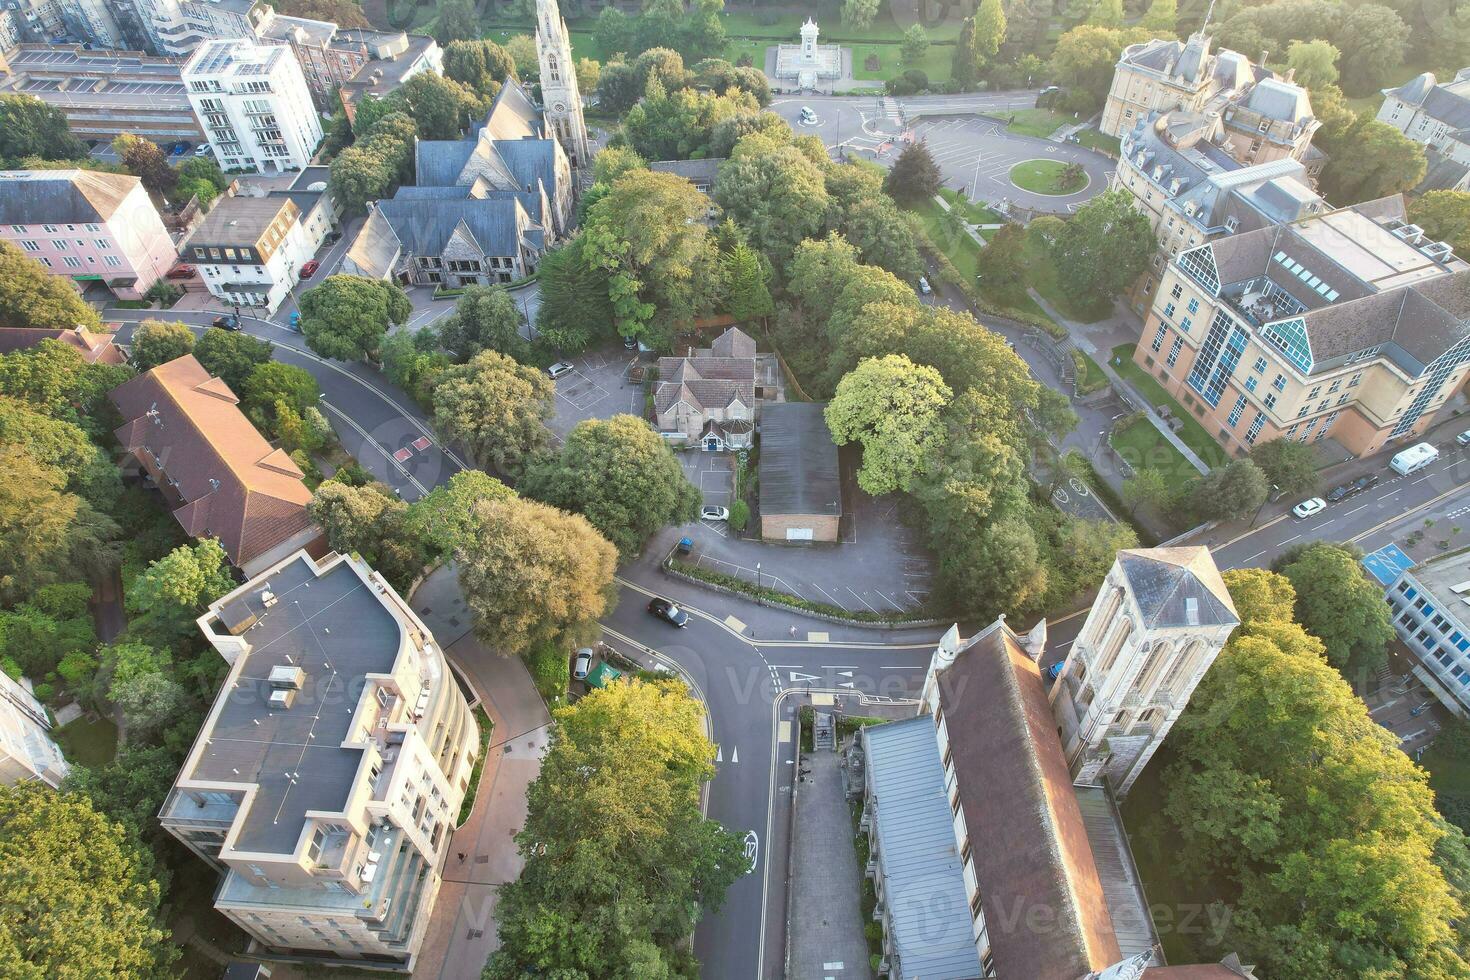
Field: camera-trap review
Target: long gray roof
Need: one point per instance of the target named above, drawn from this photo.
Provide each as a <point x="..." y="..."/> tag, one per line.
<point x="798" y="462"/>
<point x="923" y="877"/>
<point x="62" y="196"/>
<point x="337" y="631"/>
<point x="424" y="225"/>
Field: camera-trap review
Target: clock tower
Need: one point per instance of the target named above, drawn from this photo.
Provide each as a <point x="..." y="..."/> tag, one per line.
<point x="560" y="99"/>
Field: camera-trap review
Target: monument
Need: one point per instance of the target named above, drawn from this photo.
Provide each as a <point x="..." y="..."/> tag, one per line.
<point x="807" y="65"/>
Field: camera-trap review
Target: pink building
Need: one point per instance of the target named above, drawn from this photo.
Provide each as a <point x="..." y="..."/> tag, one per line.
<point x="91" y="227"/>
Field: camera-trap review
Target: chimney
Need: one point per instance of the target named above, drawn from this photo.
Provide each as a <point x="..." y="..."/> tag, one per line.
<point x="1264" y="54"/>
<point x="1290" y="74"/>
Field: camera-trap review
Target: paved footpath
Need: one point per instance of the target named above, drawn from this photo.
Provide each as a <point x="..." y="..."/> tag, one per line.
<point x="826" y="884"/>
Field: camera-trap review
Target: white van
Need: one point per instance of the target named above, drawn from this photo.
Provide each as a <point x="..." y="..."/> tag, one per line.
<point x="1413" y="459"/>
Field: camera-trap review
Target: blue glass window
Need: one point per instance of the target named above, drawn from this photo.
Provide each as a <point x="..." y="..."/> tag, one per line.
<point x="1185" y="324"/>
<point x="1174" y="350"/>
<point x="1236" y="411"/>
<point x="1159" y="338"/>
<point x="1194" y="306"/>
<point x="1250" y="383"/>
<point x="1279" y="382"/>
<point x="1169" y="310"/>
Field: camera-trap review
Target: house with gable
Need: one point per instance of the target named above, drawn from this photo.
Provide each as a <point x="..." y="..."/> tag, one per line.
<point x="709" y="396"/>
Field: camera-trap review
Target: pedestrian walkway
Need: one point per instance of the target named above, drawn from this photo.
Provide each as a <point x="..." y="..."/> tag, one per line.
<point x="973" y="230"/>
<point x="1078" y="334"/>
<point x="826" y="938"/>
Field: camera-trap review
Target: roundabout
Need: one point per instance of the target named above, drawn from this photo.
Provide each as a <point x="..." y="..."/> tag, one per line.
<point x="1051" y="177"/>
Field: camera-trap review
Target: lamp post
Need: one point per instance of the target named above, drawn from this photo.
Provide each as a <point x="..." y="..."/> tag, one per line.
<point x="758" y="599"/>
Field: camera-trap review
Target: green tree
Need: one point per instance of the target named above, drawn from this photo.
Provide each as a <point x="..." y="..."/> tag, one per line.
<point x="1001" y="263"/>
<point x="704" y="32"/>
<point x="589" y="73"/>
<point x="457" y="21"/>
<point x="614" y="161"/>
<point x="412" y="361"/>
<point x="620" y="863"/>
<point x="371" y="522"/>
<point x="145" y="160"/>
<point x="130" y="789"/>
<point x="914" y="45"/>
<point x="1106" y="13"/>
<point x="1145" y="487"/>
<point x="380" y="160"/>
<point x="613" y="34"/>
<point x="442" y="519"/>
<point x="485" y="318"/>
<point x="495" y="408"/>
<point x="1103" y="249"/>
<point x="776" y="193"/>
<point x="531" y="573"/>
<point x="1161" y="18"/>
<point x="745" y="278"/>
<point x="440" y="106"/>
<point x="575" y="308"/>
<point x="346" y="317"/>
<point x="621" y="476"/>
<point x="142" y="687"/>
<point x="78" y="901"/>
<point x="679" y="123"/>
<point x="990" y="30"/>
<point x="893" y="407"/>
<point x="860" y="14"/>
<point x="482" y="65"/>
<point x="1314" y="62"/>
<point x="1337" y="603"/>
<point x="32" y="297"/>
<point x="915" y="176"/>
<point x="56" y="442"/>
<point x="1232" y="491"/>
<point x="157" y="342"/>
<point x="522" y="51"/>
<point x="1289" y="466"/>
<point x="46" y="533"/>
<point x="31" y="128"/>
<point x="1083" y="61"/>
<point x="174" y="590"/>
<point x="231" y="356"/>
<point x="1444" y="216"/>
<point x="965" y="63"/>
<point x="1383" y="161"/>
<point x="274" y="382"/>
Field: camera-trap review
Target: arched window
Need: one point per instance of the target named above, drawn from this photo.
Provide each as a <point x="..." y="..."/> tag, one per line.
<point x="1177" y="672"/>
<point x="1109" y="612"/>
<point x="1112" y="645"/>
<point x="1157" y="660"/>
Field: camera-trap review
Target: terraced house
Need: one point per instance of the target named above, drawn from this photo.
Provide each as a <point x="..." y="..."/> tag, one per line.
<point x="328" y="775"/>
<point x="1350" y="325"/>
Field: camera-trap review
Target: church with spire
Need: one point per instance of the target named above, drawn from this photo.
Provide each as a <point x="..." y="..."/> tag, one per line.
<point x="561" y="100"/>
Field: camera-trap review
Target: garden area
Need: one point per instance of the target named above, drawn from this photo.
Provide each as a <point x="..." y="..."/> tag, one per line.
<point x="1040" y="123"/>
<point x="1143" y="446"/>
<point x="1193" y="434"/>
<point x="1048" y="177"/>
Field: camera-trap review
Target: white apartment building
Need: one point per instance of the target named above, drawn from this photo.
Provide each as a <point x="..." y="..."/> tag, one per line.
<point x="254" y="105"/>
<point x="27" y="752"/>
<point x="178" y="27"/>
<point x="250" y="250"/>
<point x="328" y="776"/>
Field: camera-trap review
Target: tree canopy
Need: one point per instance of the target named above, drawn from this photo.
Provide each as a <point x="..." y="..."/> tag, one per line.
<point x="1337" y="603"/>
<point x="496" y="408"/>
<point x="893" y="407"/>
<point x="157" y="342"/>
<point x="346" y="317"/>
<point x="231" y="355"/>
<point x="32" y="297"/>
<point x="31" y="128"/>
<point x="485" y="318"/>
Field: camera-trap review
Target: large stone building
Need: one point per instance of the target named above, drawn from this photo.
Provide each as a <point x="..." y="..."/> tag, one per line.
<point x="561" y="99"/>
<point x="328" y="776"/>
<point x="995" y="845"/>
<point x="87" y="226"/>
<point x="1437" y="116"/>
<point x="254" y="104"/>
<point x="1351" y="322"/>
<point x="1254" y="116"/>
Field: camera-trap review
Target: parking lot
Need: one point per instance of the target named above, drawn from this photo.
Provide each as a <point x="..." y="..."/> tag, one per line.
<point x="597" y="388"/>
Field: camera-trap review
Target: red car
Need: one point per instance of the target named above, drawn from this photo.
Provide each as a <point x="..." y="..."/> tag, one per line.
<point x="181" y="272"/>
<point x="308" y="269"/>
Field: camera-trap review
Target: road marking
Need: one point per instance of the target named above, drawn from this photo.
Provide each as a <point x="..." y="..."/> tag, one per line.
<point x="839" y="666"/>
<point x="783" y="732"/>
<point x="1255" y="556"/>
<point x="861" y="599"/>
<point x="1387" y="495"/>
<point x="1291" y="539"/>
<point x="1355" y="510"/>
<point x="800" y="678"/>
<point x="847" y="684"/>
<point x="719" y="754"/>
<point x="391" y="457"/>
<point x="735" y="624"/>
<point x="832" y="966"/>
<point x="822" y="700"/>
<point x="816" y="637"/>
<point x="844" y="673"/>
<point x="735" y="755"/>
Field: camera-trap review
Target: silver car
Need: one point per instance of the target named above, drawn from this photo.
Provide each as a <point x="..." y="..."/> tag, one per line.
<point x="582" y="666"/>
<point x="558" y="369"/>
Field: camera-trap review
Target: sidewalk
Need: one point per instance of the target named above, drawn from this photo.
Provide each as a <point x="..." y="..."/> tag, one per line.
<point x="826" y="883"/>
<point x="1078" y="333"/>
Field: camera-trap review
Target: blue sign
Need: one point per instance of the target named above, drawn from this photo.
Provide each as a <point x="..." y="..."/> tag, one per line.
<point x="1387" y="563"/>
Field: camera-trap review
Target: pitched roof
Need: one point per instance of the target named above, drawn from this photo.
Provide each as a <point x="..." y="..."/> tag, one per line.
<point x="234" y="485"/>
<point x="95" y="348"/>
<point x="1016" y="791"/>
<point x="62" y="196"/>
<point x="512" y="115"/>
<point x="424" y="225"/>
<point x="1178" y="587"/>
<point x="798" y="461"/>
<point x="733" y="343"/>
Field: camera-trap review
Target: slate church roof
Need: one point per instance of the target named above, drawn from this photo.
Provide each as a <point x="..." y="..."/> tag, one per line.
<point x="1178" y="587"/>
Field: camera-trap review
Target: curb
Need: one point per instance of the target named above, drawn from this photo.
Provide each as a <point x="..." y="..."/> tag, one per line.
<point x="777" y="604"/>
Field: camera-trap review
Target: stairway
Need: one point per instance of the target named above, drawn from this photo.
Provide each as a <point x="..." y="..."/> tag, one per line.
<point x="824" y="732"/>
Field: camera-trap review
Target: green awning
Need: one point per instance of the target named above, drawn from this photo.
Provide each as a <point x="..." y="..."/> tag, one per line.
<point x="87" y="277"/>
<point x="603" y="675"/>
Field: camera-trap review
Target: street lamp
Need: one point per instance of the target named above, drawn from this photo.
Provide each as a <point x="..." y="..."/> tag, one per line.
<point x="758" y="600"/>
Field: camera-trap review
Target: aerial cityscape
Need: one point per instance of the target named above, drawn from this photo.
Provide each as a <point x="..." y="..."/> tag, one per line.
<point x="882" y="490"/>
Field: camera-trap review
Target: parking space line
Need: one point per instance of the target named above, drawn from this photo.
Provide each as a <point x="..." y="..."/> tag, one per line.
<point x="830" y="597"/>
<point x="889" y="601"/>
<point x="861" y="599"/>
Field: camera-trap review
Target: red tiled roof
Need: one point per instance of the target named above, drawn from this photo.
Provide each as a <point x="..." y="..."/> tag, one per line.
<point x="94" y="347"/>
<point x="187" y="426"/>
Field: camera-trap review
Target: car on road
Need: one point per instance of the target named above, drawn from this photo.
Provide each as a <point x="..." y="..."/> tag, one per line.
<point x="582" y="666"/>
<point x="668" y="612"/>
<point x="630" y="343"/>
<point x="202" y="150"/>
<point x="296" y="320"/>
<point x="181" y="271"/>
<point x="924" y="286"/>
<point x="709" y="512"/>
<point x="1463" y="438"/>
<point x="308" y="269"/>
<point x="178" y="149"/>
<point x="226" y="322"/>
<point x="808" y="117"/>
<point x="558" y="369"/>
<point x="1307" y="508"/>
<point x="1339" y="494"/>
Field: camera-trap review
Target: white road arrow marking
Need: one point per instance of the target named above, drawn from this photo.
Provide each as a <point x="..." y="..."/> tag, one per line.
<point x="797" y="678"/>
<point x="847" y="684"/>
<point x="735" y="754"/>
<point x="719" y="754"/>
<point x="844" y="673"/>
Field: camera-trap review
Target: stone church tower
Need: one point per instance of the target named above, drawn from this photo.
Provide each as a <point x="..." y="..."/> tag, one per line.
<point x="1159" y="620"/>
<point x="560" y="98"/>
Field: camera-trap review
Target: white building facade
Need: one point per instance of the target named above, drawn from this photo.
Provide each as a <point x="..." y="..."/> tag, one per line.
<point x="27" y="752"/>
<point x="1429" y="616"/>
<point x="254" y="105"/>
<point x="250" y="250"/>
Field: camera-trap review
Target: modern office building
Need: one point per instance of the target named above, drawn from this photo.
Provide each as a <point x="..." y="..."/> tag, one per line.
<point x="328" y="776"/>
<point x="254" y="104"/>
<point x="1430" y="606"/>
<point x="1351" y="322"/>
<point x="104" y="93"/>
<point x="87" y="226"/>
<point x="250" y="250"/>
<point x="27" y="751"/>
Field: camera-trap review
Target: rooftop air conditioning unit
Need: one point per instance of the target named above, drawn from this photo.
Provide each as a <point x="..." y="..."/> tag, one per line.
<point x="286" y="677"/>
<point x="281" y="698"/>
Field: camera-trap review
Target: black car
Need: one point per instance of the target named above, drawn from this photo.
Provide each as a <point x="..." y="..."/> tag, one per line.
<point x="1339" y="494"/>
<point x="668" y="612"/>
<point x="226" y="323"/>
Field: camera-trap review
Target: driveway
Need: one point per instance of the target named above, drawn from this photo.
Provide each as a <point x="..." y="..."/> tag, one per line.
<point x="714" y="475"/>
<point x="597" y="389"/>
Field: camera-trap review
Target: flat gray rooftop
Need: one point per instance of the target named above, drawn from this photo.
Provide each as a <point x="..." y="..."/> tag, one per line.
<point x="336" y="630"/>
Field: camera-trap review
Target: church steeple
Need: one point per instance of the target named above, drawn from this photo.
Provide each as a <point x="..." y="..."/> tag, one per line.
<point x="560" y="98"/>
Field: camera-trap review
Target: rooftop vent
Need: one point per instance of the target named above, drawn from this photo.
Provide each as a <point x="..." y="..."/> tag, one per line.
<point x="1439" y="251"/>
<point x="286" y="677"/>
<point x="1191" y="611"/>
<point x="1409" y="233"/>
<point x="282" y="699"/>
<point x="267" y="597"/>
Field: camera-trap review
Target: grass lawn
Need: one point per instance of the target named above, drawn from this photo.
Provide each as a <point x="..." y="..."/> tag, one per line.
<point x="88" y="741"/>
<point x="1193" y="434"/>
<point x="1042" y="271"/>
<point x="937" y="62"/>
<point x="974" y="213"/>
<point x="1447" y="773"/>
<point x="965" y="256"/>
<point x="1045" y="177"/>
<point x="1036" y="122"/>
<point x="1094" y="140"/>
<point x="1143" y="446"/>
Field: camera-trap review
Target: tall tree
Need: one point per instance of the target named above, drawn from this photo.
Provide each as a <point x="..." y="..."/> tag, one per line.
<point x="745" y="279"/>
<point x="230" y="355"/>
<point x="1383" y="161"/>
<point x="965" y="66"/>
<point x="575" y="308"/>
<point x="914" y="44"/>
<point x="485" y="318"/>
<point x="1083" y="61"/>
<point x="915" y="176"/>
<point x="1234" y="490"/>
<point x="621" y="476"/>
<point x="457" y="21"/>
<point x="1162" y="17"/>
<point x="1337" y="603"/>
<point x="1289" y="466"/>
<point x="46" y="533"/>
<point x="78" y="901"/>
<point x="143" y="687"/>
<point x="480" y="64"/>
<point x="31" y="128"/>
<point x="990" y="30"/>
<point x="1106" y="13"/>
<point x="776" y="193"/>
<point x="371" y="522"/>
<point x="496" y="408"/>
<point x="174" y="590"/>
<point x="442" y="520"/>
<point x="146" y="161"/>
<point x="1103" y="249"/>
<point x="1445" y="216"/>
<point x="32" y="297"/>
<point x="893" y="407"/>
<point x="157" y="342"/>
<point x="860" y="14"/>
<point x="532" y="573"/>
<point x="346" y="317"/>
<point x="1001" y="263"/>
<point x="1313" y="62"/>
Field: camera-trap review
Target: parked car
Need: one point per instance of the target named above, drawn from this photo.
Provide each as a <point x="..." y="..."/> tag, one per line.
<point x="630" y="343"/>
<point x="202" y="150"/>
<point x="296" y="320"/>
<point x="558" y="369"/>
<point x="808" y="116"/>
<point x="1307" y="508"/>
<point x="1463" y="438"/>
<point x="178" y="149"/>
<point x="181" y="271"/>
<point x="924" y="286"/>
<point x="226" y="323"/>
<point x="1339" y="494"/>
<point x="308" y="269"/>
<point x="582" y="666"/>
<point x="709" y="512"/>
<point x="669" y="613"/>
